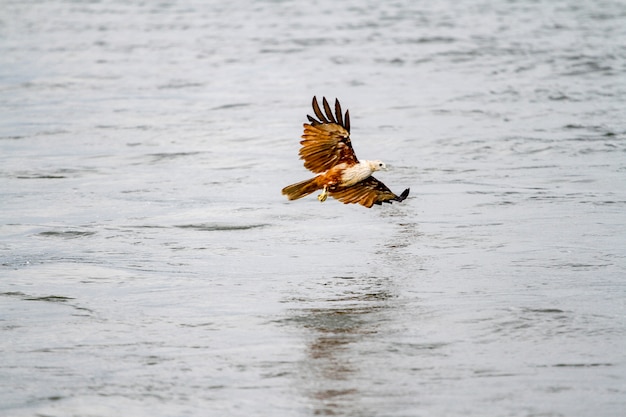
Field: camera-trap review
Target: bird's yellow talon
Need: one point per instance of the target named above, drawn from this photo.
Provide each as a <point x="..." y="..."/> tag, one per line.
<point x="323" y="196"/>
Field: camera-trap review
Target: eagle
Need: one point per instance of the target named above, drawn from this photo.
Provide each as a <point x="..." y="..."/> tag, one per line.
<point x="327" y="151"/>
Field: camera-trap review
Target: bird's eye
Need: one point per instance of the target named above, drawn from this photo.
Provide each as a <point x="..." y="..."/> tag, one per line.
<point x="380" y="165"/>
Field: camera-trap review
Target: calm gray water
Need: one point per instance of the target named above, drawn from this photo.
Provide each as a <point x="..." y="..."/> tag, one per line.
<point x="150" y="266"/>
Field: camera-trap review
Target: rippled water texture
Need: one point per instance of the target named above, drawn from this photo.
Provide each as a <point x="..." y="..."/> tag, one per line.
<point x="150" y="266"/>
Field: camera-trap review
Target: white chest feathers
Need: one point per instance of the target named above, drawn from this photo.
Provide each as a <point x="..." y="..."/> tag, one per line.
<point x="359" y="172"/>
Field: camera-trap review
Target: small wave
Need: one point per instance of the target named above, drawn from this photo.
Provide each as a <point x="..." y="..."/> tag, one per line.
<point x="212" y="227"/>
<point x="54" y="175"/>
<point x="66" y="234"/>
<point x="40" y="177"/>
<point x="166" y="156"/>
<point x="230" y="106"/>
<point x="580" y="365"/>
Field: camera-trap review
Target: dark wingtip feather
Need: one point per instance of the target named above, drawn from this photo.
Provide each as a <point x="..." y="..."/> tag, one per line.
<point x="338" y="114"/>
<point x="403" y="196"/>
<point x="329" y="113"/>
<point x="398" y="198"/>
<point x="318" y="112"/>
<point x="329" y="117"/>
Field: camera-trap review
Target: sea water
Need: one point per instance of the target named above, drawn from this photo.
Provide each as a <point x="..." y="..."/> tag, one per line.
<point x="149" y="265"/>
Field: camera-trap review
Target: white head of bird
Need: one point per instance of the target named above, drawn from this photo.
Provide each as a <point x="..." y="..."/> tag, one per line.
<point x="376" y="165"/>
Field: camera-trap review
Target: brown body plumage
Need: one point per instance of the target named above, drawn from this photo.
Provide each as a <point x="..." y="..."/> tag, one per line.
<point x="327" y="151"/>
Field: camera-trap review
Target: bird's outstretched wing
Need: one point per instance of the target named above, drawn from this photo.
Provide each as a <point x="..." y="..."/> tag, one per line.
<point x="326" y="140"/>
<point x="368" y="192"/>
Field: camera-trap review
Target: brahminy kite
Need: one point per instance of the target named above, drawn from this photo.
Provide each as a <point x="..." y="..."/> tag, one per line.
<point x="327" y="151"/>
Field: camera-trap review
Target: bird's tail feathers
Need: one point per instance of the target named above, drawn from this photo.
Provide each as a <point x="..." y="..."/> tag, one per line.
<point x="301" y="189"/>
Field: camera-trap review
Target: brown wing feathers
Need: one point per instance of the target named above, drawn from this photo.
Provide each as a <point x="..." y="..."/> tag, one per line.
<point x="326" y="143"/>
<point x="326" y="140"/>
<point x="368" y="192"/>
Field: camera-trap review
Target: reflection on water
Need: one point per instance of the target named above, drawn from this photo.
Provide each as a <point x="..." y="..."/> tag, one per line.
<point x="336" y="338"/>
<point x="327" y="361"/>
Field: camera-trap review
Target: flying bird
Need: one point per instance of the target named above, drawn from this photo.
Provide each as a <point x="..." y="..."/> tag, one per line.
<point x="327" y="151"/>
